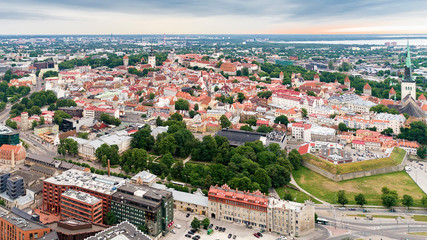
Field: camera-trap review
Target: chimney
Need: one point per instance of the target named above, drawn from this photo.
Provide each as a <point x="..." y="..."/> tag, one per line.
<point x="13" y="159"/>
<point x="108" y="167"/>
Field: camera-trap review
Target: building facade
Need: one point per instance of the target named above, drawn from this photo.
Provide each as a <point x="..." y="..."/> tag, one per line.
<point x="99" y="186"/>
<point x="82" y="206"/>
<point x="143" y="205"/>
<point x="260" y="211"/>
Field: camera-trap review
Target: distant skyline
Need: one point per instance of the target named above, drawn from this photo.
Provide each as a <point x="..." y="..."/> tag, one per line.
<point x="213" y="17"/>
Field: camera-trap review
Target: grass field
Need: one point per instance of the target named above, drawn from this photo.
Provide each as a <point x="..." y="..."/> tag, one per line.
<point x="395" y="158"/>
<point x="326" y="189"/>
<point x="420" y="218"/>
<point x="424" y="234"/>
<point x="300" y="196"/>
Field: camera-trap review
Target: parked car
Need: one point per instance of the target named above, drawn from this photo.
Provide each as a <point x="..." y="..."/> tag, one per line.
<point x="259" y="234"/>
<point x="220" y="229"/>
<point x="187" y="215"/>
<point x="234" y="236"/>
<point x="352" y="209"/>
<point x="216" y="228"/>
<point x="178" y="226"/>
<point x="210" y="226"/>
<point x="341" y="208"/>
<point x="256" y="235"/>
<point x="188" y="235"/>
<point x="223" y="229"/>
<point x="173" y="231"/>
<point x="229" y="235"/>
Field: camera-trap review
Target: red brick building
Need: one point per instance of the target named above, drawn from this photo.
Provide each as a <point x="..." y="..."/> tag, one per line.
<point x="6" y="154"/>
<point x="99" y="186"/>
<point x="14" y="227"/>
<point x="79" y="205"/>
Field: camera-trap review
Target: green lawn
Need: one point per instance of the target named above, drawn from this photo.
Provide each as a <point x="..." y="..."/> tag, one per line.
<point x="420" y="218"/>
<point x="300" y="196"/>
<point x="395" y="158"/>
<point x="326" y="189"/>
<point x="424" y="234"/>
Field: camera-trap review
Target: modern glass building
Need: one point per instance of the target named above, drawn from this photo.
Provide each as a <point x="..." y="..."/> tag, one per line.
<point x="8" y="136"/>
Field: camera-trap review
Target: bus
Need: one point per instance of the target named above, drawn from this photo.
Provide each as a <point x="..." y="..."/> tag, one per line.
<point x="322" y="221"/>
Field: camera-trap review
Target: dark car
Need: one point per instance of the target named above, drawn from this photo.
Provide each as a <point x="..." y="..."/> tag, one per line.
<point x="188" y="235"/>
<point x="234" y="236"/>
<point x="211" y="226"/>
<point x="216" y="228"/>
<point x="223" y="229"/>
<point x="256" y="235"/>
<point x="190" y="232"/>
<point x="259" y="234"/>
<point x="187" y="215"/>
<point x="352" y="209"/>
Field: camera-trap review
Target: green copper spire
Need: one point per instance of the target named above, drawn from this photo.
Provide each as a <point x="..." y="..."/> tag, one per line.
<point x="408" y="57"/>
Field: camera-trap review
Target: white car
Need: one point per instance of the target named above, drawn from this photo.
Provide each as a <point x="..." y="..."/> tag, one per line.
<point x="178" y="226"/>
<point x="173" y="231"/>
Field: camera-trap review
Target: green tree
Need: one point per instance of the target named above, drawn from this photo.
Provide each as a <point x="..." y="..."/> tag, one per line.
<point x="424" y="201"/>
<point x="288" y="196"/>
<point x="42" y="121"/>
<point x="196" y="107"/>
<point x="83" y="135"/>
<point x="182" y="104"/>
<point x="167" y="159"/>
<point x="264" y="129"/>
<point x="342" y="127"/>
<point x="68" y="146"/>
<point x="225" y="123"/>
<point x="49" y="74"/>
<point x="387" y="132"/>
<point x="152" y="95"/>
<point x="159" y="121"/>
<point x="279" y="175"/>
<point x="11" y="124"/>
<point x="407" y="201"/>
<point x="246" y="128"/>
<point x="59" y="116"/>
<point x="110" y="218"/>
<point x="262" y="178"/>
<point x="342" y="198"/>
<point x="195" y="223"/>
<point x="143" y="139"/>
<point x="206" y="223"/>
<point x="295" y="158"/>
<point x="360" y="199"/>
<point x="33" y="124"/>
<point x="389" y="198"/>
<point x="421" y="152"/>
<point x="304" y="112"/>
<point x="240" y="97"/>
<point x="416" y="132"/>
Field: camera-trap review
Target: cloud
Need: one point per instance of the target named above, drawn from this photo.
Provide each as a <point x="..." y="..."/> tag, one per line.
<point x="22" y="15"/>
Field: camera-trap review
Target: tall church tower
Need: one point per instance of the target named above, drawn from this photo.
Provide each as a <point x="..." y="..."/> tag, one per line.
<point x="152" y="59"/>
<point x="408" y="83"/>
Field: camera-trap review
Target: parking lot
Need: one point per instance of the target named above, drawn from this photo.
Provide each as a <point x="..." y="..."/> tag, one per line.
<point x="241" y="232"/>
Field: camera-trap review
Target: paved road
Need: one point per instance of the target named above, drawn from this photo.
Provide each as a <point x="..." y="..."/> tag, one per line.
<point x="418" y="173"/>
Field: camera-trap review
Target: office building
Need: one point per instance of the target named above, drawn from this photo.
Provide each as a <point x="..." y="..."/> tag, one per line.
<point x="80" y="205"/>
<point x="260" y="211"/>
<point x="13" y="227"/>
<point x="15" y="187"/>
<point x="143" y="205"/>
<point x="100" y="186"/>
<point x="8" y="136"/>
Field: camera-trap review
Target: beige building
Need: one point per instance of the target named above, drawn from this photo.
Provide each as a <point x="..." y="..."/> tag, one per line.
<point x="260" y="211"/>
<point x="43" y="129"/>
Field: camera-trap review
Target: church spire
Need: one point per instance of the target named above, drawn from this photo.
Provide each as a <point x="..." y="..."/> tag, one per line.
<point x="408" y="73"/>
<point x="408" y="57"/>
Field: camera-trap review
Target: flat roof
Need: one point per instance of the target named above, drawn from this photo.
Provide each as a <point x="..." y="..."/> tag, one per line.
<point x="81" y="196"/>
<point x="121" y="231"/>
<point x="90" y="181"/>
<point x="21" y="223"/>
<point x="73" y="222"/>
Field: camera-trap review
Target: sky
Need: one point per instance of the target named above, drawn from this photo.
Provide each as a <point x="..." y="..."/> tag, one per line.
<point x="213" y="17"/>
